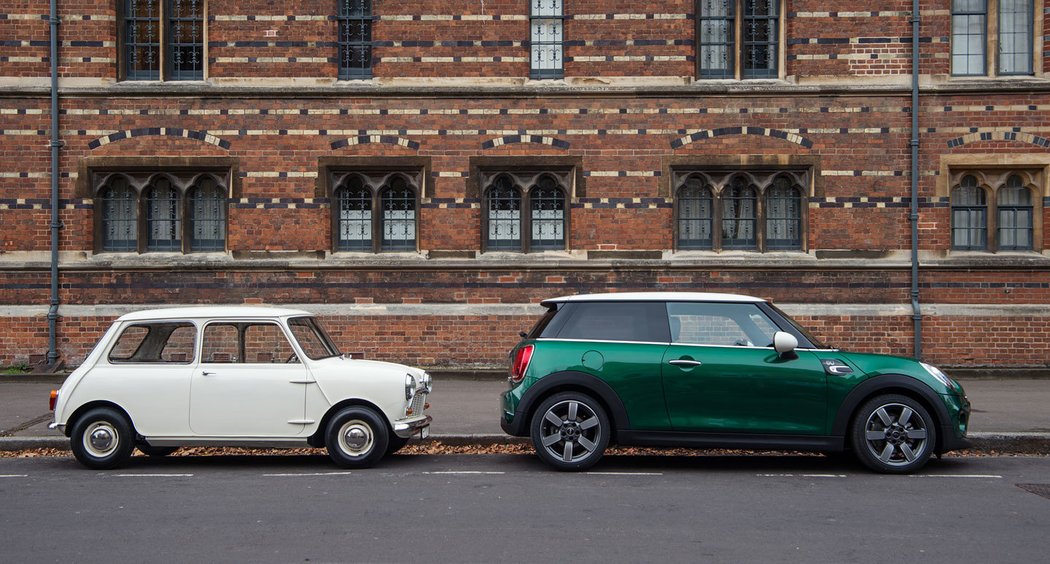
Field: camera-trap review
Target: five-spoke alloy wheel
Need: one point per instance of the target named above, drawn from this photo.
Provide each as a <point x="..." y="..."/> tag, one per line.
<point x="894" y="434"/>
<point x="356" y="437"/>
<point x="570" y="431"/>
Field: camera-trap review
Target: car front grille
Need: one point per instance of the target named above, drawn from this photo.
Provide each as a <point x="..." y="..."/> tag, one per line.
<point x="418" y="401"/>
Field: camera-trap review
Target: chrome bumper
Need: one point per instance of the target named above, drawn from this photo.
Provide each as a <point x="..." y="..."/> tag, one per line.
<point x="409" y="428"/>
<point x="56" y="425"/>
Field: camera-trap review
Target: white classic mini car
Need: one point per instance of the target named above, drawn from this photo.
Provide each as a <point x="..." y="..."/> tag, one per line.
<point x="234" y="376"/>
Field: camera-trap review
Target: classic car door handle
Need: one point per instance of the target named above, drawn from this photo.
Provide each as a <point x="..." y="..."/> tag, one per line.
<point x="684" y="362"/>
<point x="206" y="373"/>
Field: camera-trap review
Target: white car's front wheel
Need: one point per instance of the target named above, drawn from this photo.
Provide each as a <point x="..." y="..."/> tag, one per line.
<point x="102" y="439"/>
<point x="356" y="437"/>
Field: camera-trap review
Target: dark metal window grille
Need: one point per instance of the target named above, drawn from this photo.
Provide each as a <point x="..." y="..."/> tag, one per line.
<point x="695" y="215"/>
<point x="163" y="217"/>
<point x="548" y="215"/>
<point x="716" y="38"/>
<point x="783" y="215"/>
<point x="1015" y="216"/>
<point x="969" y="216"/>
<point x="969" y="36"/>
<point x="760" y="34"/>
<point x="504" y="215"/>
<point x="119" y="216"/>
<point x="355" y="216"/>
<point x="1016" y="27"/>
<point x="207" y="217"/>
<point x="399" y="216"/>
<point x="186" y="39"/>
<point x="739" y="203"/>
<point x="546" y="21"/>
<point x="355" y="39"/>
<point x="142" y="39"/>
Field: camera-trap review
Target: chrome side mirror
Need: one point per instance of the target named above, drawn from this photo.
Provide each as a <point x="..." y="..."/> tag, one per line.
<point x="784" y="343"/>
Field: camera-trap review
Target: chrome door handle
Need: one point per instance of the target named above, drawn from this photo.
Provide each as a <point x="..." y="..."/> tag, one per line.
<point x="206" y="373"/>
<point x="684" y="362"/>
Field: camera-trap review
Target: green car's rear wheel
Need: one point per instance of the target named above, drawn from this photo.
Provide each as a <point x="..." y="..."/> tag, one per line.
<point x="570" y="431"/>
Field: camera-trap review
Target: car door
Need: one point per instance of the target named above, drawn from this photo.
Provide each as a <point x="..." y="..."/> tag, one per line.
<point x="721" y="374"/>
<point x="249" y="383"/>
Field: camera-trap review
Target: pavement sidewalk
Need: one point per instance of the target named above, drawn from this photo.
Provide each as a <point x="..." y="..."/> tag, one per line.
<point x="1009" y="415"/>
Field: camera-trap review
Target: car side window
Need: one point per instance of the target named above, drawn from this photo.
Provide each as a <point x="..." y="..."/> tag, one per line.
<point x="740" y="325"/>
<point x="221" y="343"/>
<point x="616" y="321"/>
<point x="246" y="343"/>
<point x="167" y="342"/>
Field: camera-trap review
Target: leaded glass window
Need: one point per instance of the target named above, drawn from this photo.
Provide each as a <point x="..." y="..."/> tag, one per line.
<point x="504" y="215"/>
<point x="716" y="38"/>
<point x="969" y="216"/>
<point x="354" y="201"/>
<point x="739" y="203"/>
<point x="1015" y="216"/>
<point x="186" y="39"/>
<point x="142" y="39"/>
<point x="399" y="216"/>
<point x="207" y="216"/>
<point x="163" y="217"/>
<point x="969" y="36"/>
<point x="119" y="216"/>
<point x="548" y="215"/>
<point x="695" y="215"/>
<point x="759" y="38"/>
<point x="783" y="215"/>
<point x="757" y="52"/>
<point x="1015" y="36"/>
<point x="546" y="23"/>
<point x="162" y="39"/>
<point x="355" y="39"/>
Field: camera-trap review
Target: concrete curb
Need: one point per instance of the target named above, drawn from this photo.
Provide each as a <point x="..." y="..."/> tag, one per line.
<point x="1003" y="443"/>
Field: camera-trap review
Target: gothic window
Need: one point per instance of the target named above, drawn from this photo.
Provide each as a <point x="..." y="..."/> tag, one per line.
<point x="1015" y="216"/>
<point x="754" y="210"/>
<point x="995" y="210"/>
<point x="375" y="211"/>
<point x="993" y="34"/>
<point x="162" y="39"/>
<point x="969" y="216"/>
<point x="143" y="211"/>
<point x="738" y="38"/>
<point x="543" y="194"/>
<point x="547" y="38"/>
<point x="355" y="39"/>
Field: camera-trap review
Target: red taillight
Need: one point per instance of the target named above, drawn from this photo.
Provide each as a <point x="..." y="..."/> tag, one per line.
<point x="521" y="363"/>
<point x="53" y="400"/>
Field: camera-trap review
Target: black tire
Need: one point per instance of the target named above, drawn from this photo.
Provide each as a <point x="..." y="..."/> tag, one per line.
<point x="157" y="451"/>
<point x="357" y="437"/>
<point x="395" y="444"/>
<point x="102" y="439"/>
<point x="893" y="434"/>
<point x="579" y="440"/>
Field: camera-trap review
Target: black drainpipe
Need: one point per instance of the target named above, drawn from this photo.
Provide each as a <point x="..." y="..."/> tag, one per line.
<point x="52" y="313"/>
<point x="916" y="315"/>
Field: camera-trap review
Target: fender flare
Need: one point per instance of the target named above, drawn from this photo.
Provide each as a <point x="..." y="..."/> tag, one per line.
<point x="571" y="379"/>
<point x="874" y="385"/>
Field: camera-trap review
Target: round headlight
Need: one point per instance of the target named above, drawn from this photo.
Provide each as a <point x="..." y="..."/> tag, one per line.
<point x="410" y="386"/>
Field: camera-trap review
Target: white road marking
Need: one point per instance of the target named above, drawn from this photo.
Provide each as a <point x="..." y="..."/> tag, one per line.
<point x="801" y="475"/>
<point x="14" y="475"/>
<point x="466" y="472"/>
<point x="308" y="474"/>
<point x="995" y="476"/>
<point x="625" y="473"/>
<point x="152" y="475"/>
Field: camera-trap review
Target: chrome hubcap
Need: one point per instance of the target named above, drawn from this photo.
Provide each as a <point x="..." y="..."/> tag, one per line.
<point x="100" y="439"/>
<point x="356" y="438"/>
<point x="896" y="435"/>
<point x="570" y="431"/>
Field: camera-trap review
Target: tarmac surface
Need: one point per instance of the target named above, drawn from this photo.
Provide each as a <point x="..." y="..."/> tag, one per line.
<point x="1008" y="414"/>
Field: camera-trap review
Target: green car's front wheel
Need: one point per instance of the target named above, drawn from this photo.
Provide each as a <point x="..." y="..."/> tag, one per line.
<point x="893" y="434"/>
<point x="570" y="431"/>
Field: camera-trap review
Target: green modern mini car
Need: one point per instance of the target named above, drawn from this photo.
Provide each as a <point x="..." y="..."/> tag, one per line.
<point x="717" y="371"/>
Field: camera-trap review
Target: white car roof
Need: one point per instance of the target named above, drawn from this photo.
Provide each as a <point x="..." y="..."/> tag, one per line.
<point x="656" y="297"/>
<point x="212" y="312"/>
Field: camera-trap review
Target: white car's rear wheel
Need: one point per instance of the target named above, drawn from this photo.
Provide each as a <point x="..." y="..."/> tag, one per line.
<point x="102" y="439"/>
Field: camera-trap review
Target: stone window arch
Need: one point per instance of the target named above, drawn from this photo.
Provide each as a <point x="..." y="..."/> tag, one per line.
<point x="375" y="211"/>
<point x="526" y="210"/>
<point x="995" y="209"/>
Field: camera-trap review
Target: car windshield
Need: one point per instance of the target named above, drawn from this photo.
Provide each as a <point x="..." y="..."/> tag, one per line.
<point x="312" y="338"/>
<point x="812" y="338"/>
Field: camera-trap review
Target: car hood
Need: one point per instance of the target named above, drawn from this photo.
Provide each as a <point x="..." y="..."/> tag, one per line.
<point x="872" y="364"/>
<point x="341" y="362"/>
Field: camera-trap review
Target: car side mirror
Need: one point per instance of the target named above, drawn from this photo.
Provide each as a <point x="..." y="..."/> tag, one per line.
<point x="784" y="343"/>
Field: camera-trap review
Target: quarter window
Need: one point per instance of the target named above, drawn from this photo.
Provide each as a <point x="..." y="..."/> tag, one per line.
<point x="542" y="194"/>
<point x="355" y="39"/>
<point x="546" y="22"/>
<point x="169" y="342"/>
<point x="162" y="39"/>
<point x="993" y="34"/>
<point x="738" y="38"/>
<point x="615" y="321"/>
<point x="375" y="211"/>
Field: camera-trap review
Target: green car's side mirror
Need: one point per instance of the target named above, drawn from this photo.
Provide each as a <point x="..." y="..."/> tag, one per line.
<point x="784" y="343"/>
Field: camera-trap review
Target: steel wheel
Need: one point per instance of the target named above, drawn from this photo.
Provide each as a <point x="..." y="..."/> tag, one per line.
<point x="894" y="434"/>
<point x="102" y="439"/>
<point x="570" y="431"/>
<point x="356" y="438"/>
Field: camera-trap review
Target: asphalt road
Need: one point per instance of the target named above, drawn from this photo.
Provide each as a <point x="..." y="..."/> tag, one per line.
<point x="510" y="508"/>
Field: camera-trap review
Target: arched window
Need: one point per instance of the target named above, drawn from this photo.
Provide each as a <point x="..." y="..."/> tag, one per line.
<point x="695" y="214"/>
<point x="547" y="203"/>
<point x="163" y="216"/>
<point x="739" y="203"/>
<point x="1015" y="216"/>
<point x="398" y="202"/>
<point x="504" y="215"/>
<point x="119" y="216"/>
<point x="354" y="230"/>
<point x="783" y="215"/>
<point x="969" y="216"/>
<point x="207" y="216"/>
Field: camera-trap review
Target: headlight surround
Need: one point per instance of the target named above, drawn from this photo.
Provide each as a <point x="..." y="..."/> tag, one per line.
<point x="940" y="376"/>
<point x="427" y="382"/>
<point x="410" y="386"/>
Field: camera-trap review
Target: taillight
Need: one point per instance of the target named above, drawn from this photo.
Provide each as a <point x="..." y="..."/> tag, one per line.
<point x="521" y="363"/>
<point x="54" y="399"/>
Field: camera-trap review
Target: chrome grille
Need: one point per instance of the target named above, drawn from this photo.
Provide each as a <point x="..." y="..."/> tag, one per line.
<point x="418" y="401"/>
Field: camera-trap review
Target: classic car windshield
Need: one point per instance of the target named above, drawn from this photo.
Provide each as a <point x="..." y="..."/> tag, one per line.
<point x="312" y="338"/>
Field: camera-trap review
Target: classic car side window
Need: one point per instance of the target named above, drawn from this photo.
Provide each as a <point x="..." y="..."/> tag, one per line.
<point x="741" y="325"/>
<point x="265" y="343"/>
<point x="155" y="343"/>
<point x="221" y="343"/>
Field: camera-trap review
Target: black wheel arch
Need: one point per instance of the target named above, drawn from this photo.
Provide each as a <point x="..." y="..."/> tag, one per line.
<point x="891" y="384"/>
<point x="317" y="439"/>
<point x="569" y="381"/>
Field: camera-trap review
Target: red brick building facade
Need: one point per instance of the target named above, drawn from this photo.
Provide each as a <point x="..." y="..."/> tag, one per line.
<point x="422" y="173"/>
